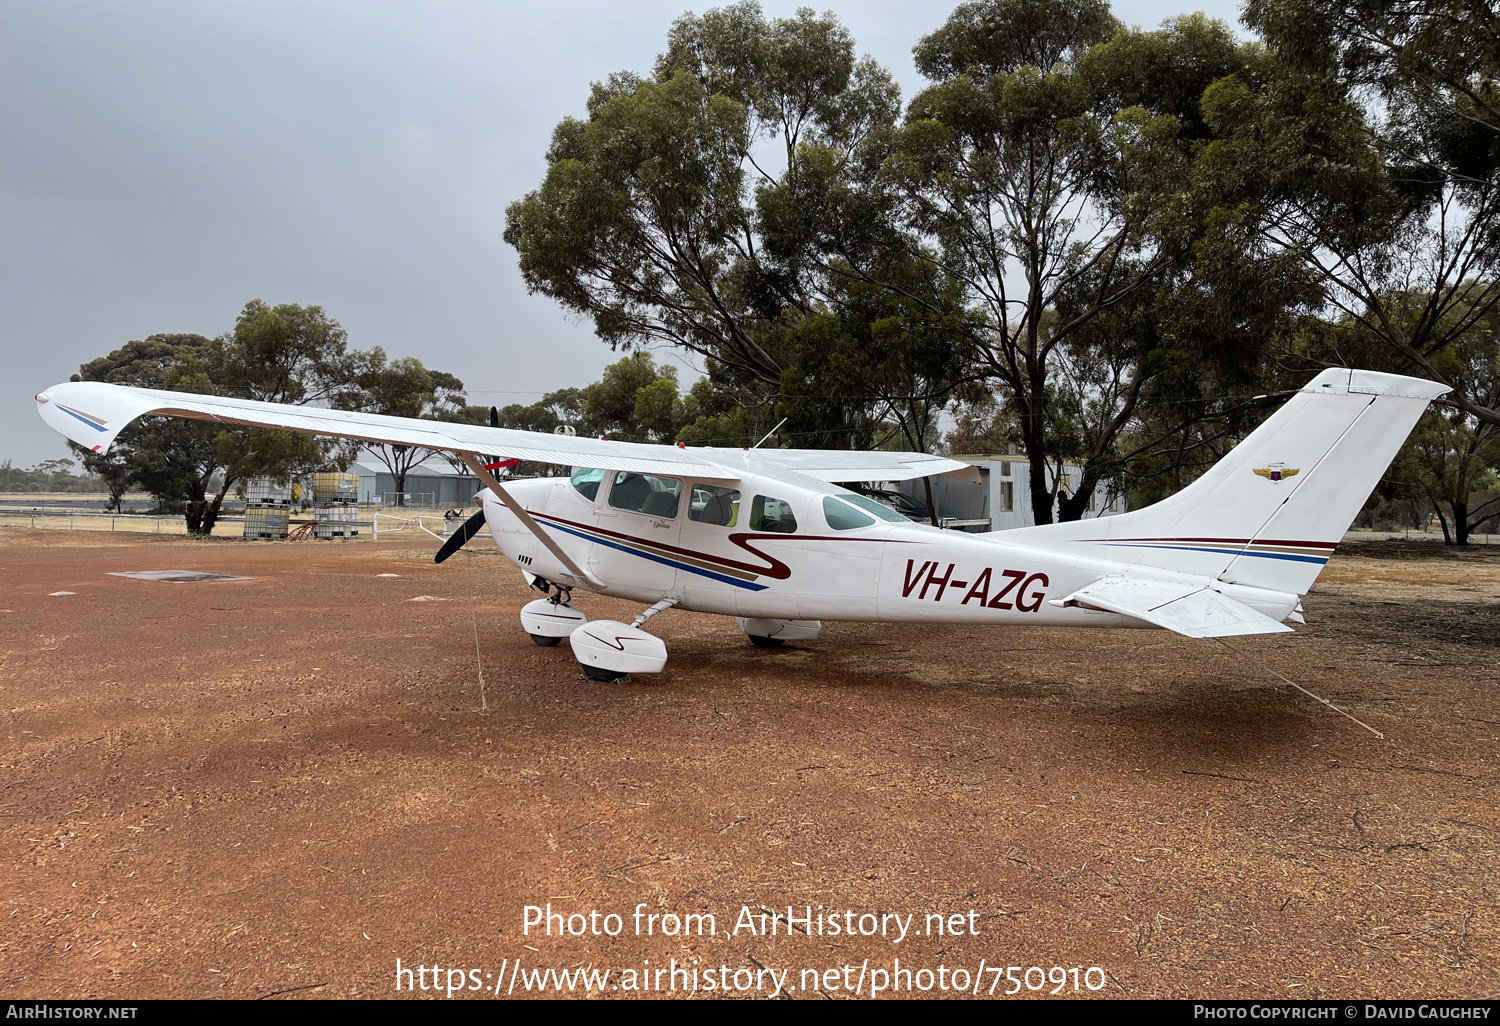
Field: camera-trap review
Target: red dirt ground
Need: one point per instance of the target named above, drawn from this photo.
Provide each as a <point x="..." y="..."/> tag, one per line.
<point x="240" y="788"/>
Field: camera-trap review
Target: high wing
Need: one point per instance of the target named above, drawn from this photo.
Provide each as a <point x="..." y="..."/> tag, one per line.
<point x="845" y="465"/>
<point x="93" y="413"/>
<point x="1191" y="609"/>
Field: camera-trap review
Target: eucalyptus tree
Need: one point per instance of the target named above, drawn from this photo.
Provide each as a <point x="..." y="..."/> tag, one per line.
<point x="112" y="468"/>
<point x="759" y="201"/>
<point x="286" y="353"/>
<point x="1366" y="146"/>
<point x="190" y="466"/>
<point x="1049" y="170"/>
<point x="635" y="400"/>
<point x="1450" y="464"/>
<point x="1448" y="50"/>
<point x="402" y="387"/>
<point x="658" y="210"/>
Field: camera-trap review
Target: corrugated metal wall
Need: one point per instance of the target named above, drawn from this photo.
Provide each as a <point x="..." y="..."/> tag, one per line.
<point x="442" y="492"/>
<point x="958" y="500"/>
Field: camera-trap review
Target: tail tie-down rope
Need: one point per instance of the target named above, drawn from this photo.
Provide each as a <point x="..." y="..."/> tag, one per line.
<point x="1302" y="689"/>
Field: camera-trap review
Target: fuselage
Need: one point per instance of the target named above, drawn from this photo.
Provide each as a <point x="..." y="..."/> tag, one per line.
<point x="799" y="549"/>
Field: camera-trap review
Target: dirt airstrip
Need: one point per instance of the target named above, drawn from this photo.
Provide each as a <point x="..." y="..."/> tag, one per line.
<point x="245" y="788"/>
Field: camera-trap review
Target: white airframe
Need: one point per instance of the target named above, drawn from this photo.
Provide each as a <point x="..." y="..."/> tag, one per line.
<point x="766" y="535"/>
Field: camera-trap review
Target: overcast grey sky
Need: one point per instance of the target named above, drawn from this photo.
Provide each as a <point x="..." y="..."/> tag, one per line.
<point x="162" y="163"/>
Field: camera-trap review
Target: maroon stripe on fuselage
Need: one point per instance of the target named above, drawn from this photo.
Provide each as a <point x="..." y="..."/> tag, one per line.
<point x="1217" y="541"/>
<point x="777" y="569"/>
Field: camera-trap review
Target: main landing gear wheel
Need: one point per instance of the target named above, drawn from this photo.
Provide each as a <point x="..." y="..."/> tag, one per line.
<point x="594" y="673"/>
<point x="765" y="632"/>
<point x="610" y="651"/>
<point x="545" y="642"/>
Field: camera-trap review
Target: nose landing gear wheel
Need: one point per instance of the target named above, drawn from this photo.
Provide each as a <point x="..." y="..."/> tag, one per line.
<point x="760" y="642"/>
<point x="548" y="621"/>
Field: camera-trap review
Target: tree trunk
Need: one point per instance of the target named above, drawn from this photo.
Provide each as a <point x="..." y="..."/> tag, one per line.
<point x="1460" y="522"/>
<point x="399" y="475"/>
<point x="197" y="507"/>
<point x="931" y="506"/>
<point x="1041" y="495"/>
<point x="1074" y="506"/>
<point x="1033" y="438"/>
<point x="211" y="514"/>
<point x="1447" y="538"/>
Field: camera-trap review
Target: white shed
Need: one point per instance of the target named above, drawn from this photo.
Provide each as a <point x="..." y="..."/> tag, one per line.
<point x="1002" y="499"/>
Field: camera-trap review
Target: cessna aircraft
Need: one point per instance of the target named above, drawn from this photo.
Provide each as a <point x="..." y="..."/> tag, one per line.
<point x="768" y="536"/>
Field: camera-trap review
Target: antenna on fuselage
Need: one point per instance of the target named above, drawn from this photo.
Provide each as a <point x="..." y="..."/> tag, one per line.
<point x="769" y="433"/>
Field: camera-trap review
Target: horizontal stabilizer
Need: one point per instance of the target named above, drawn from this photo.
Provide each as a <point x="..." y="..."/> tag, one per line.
<point x="1189" y="609"/>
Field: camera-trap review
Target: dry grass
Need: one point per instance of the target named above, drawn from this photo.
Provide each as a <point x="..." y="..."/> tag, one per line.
<point x="254" y="777"/>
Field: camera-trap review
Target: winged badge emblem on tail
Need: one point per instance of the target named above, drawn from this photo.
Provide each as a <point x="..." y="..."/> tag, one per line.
<point x="1277" y="472"/>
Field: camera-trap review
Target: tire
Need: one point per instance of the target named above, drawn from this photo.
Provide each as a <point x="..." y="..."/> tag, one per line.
<point x="760" y="642"/>
<point x="544" y="641"/>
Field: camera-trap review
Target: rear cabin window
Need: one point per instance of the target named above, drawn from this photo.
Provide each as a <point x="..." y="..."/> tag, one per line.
<point x="713" y="505"/>
<point x="843" y="517"/>
<point x="876" y="509"/>
<point x="645" y="493"/>
<point x="587" y="480"/>
<point x="773" y="516"/>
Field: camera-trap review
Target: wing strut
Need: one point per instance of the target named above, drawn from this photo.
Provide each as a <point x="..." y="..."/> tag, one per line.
<point x="531" y="525"/>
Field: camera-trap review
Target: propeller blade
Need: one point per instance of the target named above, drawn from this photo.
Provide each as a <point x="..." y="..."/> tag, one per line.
<point x="471" y="527"/>
<point x="490" y="461"/>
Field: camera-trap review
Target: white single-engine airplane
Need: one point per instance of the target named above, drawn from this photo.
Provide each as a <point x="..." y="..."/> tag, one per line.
<point x="764" y="535"/>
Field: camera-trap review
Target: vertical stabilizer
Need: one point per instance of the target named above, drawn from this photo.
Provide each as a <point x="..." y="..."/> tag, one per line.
<point x="1270" y="513"/>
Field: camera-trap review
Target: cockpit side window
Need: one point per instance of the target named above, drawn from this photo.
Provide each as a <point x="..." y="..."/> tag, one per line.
<point x="773" y="516"/>
<point x="843" y="517"/>
<point x="714" y="505"/>
<point x="646" y="493"/>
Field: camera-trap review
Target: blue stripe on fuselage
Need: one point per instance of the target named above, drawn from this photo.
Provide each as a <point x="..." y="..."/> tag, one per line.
<point x="1226" y="552"/>
<point x="660" y="559"/>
